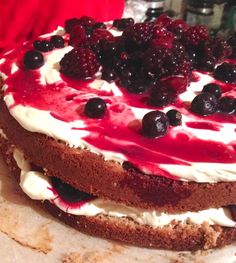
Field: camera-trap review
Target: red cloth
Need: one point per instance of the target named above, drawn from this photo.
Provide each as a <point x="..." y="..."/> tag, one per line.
<point x="26" y="19"/>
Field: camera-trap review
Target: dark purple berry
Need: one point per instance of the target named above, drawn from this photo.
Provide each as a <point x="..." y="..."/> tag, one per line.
<point x="226" y="72"/>
<point x="161" y="96"/>
<point x="213" y="89"/>
<point x="99" y="25"/>
<point x="226" y="104"/>
<point x="79" y="63"/>
<point x="68" y="193"/>
<point x="57" y="41"/>
<point x="71" y="23"/>
<point x="109" y="75"/>
<point x="123" y="23"/>
<point x="33" y="59"/>
<point x="204" y="104"/>
<point x="175" y="117"/>
<point x="37" y="44"/>
<point x="155" y="124"/>
<point x="44" y="46"/>
<point x="95" y="108"/>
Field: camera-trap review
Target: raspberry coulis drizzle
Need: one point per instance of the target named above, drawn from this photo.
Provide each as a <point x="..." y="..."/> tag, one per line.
<point x="119" y="130"/>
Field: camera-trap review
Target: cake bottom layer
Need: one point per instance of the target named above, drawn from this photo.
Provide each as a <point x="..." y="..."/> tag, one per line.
<point x="175" y="236"/>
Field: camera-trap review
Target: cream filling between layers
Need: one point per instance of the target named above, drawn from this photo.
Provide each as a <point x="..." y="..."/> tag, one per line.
<point x="38" y="187"/>
<point x="35" y="120"/>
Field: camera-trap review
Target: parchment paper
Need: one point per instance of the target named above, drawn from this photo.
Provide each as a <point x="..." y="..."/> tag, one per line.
<point x="28" y="234"/>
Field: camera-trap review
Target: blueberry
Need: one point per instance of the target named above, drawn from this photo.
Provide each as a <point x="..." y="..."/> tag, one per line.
<point x="68" y="193"/>
<point x="226" y="104"/>
<point x="123" y="23"/>
<point x="175" y="117"/>
<point x="204" y="104"/>
<point x="213" y="89"/>
<point x="57" y="41"/>
<point x="109" y="75"/>
<point x="226" y="72"/>
<point x="43" y="45"/>
<point x="155" y="124"/>
<point x="33" y="59"/>
<point x="161" y="96"/>
<point x="95" y="108"/>
<point x="37" y="44"/>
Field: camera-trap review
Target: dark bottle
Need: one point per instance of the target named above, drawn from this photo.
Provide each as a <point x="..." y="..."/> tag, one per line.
<point x="154" y="9"/>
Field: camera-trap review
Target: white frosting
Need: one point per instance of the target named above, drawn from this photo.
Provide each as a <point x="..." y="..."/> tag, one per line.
<point x="38" y="187"/>
<point x="41" y="121"/>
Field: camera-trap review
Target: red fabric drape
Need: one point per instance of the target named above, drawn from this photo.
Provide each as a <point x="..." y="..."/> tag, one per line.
<point x="26" y="19"/>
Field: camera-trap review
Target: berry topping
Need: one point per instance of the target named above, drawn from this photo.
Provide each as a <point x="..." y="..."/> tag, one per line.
<point x="123" y="23"/>
<point x="100" y="34"/>
<point x="95" y="108"/>
<point x="226" y="104"/>
<point x="226" y="72"/>
<point x="163" y="20"/>
<point x="175" y="117"/>
<point x="33" y="59"/>
<point x="196" y="34"/>
<point x="109" y="75"/>
<point x="77" y="35"/>
<point x="80" y="63"/>
<point x="138" y="35"/>
<point x="43" y="45"/>
<point x="70" y="24"/>
<point x="213" y="89"/>
<point x="68" y="193"/>
<point x="166" y="62"/>
<point x="161" y="96"/>
<point x="86" y="21"/>
<point x="155" y="124"/>
<point x="204" y="104"/>
<point x="177" y="24"/>
<point x="57" y="41"/>
<point x="99" y="25"/>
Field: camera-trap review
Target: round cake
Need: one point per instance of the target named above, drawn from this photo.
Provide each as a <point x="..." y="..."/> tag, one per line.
<point x="126" y="130"/>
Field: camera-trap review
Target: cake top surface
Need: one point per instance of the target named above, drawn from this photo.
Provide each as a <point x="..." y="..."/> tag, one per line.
<point x="131" y="92"/>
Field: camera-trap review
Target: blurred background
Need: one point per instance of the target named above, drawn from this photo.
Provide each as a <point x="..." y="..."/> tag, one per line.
<point x="218" y="15"/>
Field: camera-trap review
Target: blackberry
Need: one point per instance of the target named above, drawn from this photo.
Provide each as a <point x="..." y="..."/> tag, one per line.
<point x="226" y="104"/>
<point x="95" y="108"/>
<point x="33" y="59"/>
<point x="204" y="104"/>
<point x="226" y="72"/>
<point x="57" y="41"/>
<point x="166" y="62"/>
<point x="213" y="89"/>
<point x="175" y="117"/>
<point x="68" y="193"/>
<point x="196" y="34"/>
<point x="123" y="23"/>
<point x="100" y="34"/>
<point x="80" y="63"/>
<point x="99" y="25"/>
<point x="155" y="124"/>
<point x="70" y="24"/>
<point x="77" y="36"/>
<point x="138" y="35"/>
<point x="86" y="21"/>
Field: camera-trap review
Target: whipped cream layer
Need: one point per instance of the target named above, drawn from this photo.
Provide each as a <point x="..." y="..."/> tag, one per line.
<point x="202" y="149"/>
<point x="38" y="187"/>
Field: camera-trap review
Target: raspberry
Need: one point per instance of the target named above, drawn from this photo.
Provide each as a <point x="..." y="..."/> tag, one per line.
<point x="138" y="35"/>
<point x="178" y="23"/>
<point x="166" y="62"/>
<point x="77" y="35"/>
<point x="99" y="34"/>
<point x="159" y="31"/>
<point x="165" y="41"/>
<point x="163" y="20"/>
<point x="80" y="63"/>
<point x="196" y="34"/>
